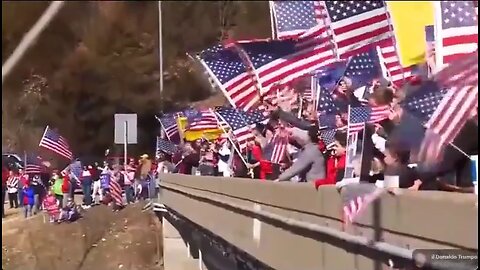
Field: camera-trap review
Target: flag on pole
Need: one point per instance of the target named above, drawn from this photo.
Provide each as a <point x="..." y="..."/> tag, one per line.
<point x="169" y="125"/>
<point x="165" y="146"/>
<point x="458" y="105"/>
<point x="205" y="120"/>
<point x="356" y="198"/>
<point x="33" y="164"/>
<point x="358" y="25"/>
<point x="456" y="27"/>
<point x="358" y="116"/>
<point x="52" y="141"/>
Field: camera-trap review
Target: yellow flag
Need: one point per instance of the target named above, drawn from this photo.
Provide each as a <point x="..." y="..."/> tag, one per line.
<point x="409" y="20"/>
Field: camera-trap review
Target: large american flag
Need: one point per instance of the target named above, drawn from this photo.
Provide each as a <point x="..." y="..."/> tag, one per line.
<point x="52" y="141"/>
<point x="169" y="125"/>
<point x="206" y="120"/>
<point x="276" y="62"/>
<point x="293" y="18"/>
<point x="33" y="164"/>
<point x="459" y="105"/>
<point x="240" y="123"/>
<point x="456" y="27"/>
<point x="356" y="25"/>
<point x="358" y="116"/>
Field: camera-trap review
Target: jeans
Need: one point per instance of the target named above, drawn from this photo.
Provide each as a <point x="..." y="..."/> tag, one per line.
<point x="20" y="197"/>
<point x="87" y="192"/>
<point x="129" y="194"/>
<point x="28" y="210"/>
<point x="36" y="205"/>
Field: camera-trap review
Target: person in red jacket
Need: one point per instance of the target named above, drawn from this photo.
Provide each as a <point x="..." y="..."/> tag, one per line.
<point x="65" y="188"/>
<point x="335" y="163"/>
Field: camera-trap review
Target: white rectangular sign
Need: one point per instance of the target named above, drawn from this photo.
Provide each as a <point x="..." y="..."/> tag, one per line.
<point x="131" y="124"/>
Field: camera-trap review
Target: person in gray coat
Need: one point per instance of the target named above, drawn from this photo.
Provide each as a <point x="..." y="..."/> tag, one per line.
<point x="310" y="164"/>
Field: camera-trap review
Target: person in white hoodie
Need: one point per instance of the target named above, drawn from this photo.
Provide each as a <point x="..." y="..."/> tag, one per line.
<point x="224" y="154"/>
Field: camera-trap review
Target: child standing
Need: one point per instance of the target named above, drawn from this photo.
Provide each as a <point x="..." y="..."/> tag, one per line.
<point x="50" y="204"/>
<point x="28" y="200"/>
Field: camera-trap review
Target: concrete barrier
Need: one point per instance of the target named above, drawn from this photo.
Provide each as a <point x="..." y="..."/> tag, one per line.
<point x="411" y="220"/>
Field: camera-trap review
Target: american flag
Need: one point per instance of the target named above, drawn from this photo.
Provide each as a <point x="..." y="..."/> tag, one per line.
<point x="116" y="192"/>
<point x="276" y="149"/>
<point x="191" y="114"/>
<point x="300" y="19"/>
<point x="357" y="25"/>
<point x="363" y="68"/>
<point x="423" y="102"/>
<point x="456" y="27"/>
<point x="52" y="141"/>
<point x="240" y="123"/>
<point x="169" y="125"/>
<point x="293" y="18"/>
<point x="398" y="74"/>
<point x="356" y="198"/>
<point x="165" y="146"/>
<point x="76" y="170"/>
<point x="206" y="120"/>
<point x="358" y="116"/>
<point x="33" y="164"/>
<point x="456" y="108"/>
<point x="275" y="63"/>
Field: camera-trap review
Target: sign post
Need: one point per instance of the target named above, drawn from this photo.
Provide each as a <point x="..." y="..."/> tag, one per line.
<point x="125" y="131"/>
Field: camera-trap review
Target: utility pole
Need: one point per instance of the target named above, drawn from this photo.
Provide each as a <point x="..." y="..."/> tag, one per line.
<point x="160" y="62"/>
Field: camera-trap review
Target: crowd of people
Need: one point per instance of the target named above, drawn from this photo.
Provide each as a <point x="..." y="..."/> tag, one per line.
<point x="54" y="192"/>
<point x="389" y="148"/>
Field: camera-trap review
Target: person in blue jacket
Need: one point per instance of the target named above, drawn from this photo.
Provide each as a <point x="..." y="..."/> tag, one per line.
<point x="28" y="200"/>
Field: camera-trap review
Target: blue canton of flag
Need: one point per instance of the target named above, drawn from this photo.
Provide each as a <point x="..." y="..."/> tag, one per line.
<point x="165" y="146"/>
<point x="363" y="68"/>
<point x="327" y="120"/>
<point x="424" y="101"/>
<point x="326" y="105"/>
<point x="294" y="17"/>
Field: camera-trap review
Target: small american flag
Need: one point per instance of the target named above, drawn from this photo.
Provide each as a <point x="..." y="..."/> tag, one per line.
<point x="52" y="141"/>
<point x="169" y="125"/>
<point x="358" y="116"/>
<point x="165" y="146"/>
<point x="356" y="198"/>
<point x="240" y="123"/>
<point x="457" y="30"/>
<point x="293" y="18"/>
<point x="206" y="120"/>
<point x="357" y="25"/>
<point x="459" y="104"/>
<point x="276" y="149"/>
<point x="328" y="137"/>
<point x="363" y="68"/>
<point x="34" y="164"/>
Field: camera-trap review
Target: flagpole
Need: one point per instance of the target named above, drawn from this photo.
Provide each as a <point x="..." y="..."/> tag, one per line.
<point x="160" y="50"/>
<point x="272" y="18"/>
<point x="44" y="132"/>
